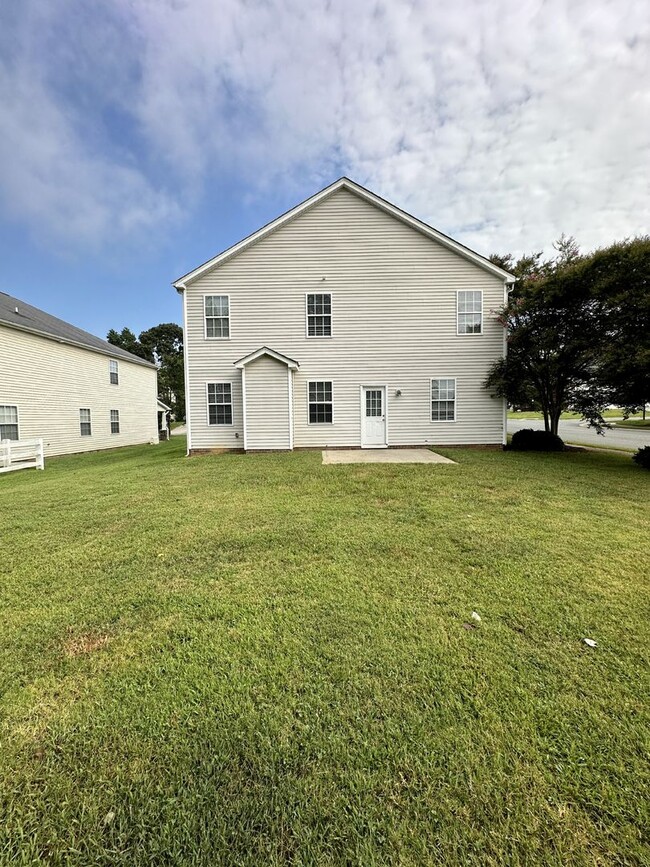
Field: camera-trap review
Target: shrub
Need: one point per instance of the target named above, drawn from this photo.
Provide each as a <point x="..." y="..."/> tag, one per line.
<point x="642" y="457"/>
<point x="529" y="440"/>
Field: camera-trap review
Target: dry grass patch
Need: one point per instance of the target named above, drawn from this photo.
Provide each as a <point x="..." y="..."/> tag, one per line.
<point x="78" y="644"/>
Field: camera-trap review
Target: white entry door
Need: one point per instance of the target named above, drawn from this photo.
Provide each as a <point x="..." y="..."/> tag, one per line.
<point x="373" y="417"/>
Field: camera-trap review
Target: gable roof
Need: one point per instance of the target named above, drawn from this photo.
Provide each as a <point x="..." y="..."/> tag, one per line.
<point x="271" y="353"/>
<point x="363" y="193"/>
<point x="24" y="317"/>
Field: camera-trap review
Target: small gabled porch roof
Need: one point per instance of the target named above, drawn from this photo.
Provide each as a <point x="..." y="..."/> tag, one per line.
<point x="291" y="363"/>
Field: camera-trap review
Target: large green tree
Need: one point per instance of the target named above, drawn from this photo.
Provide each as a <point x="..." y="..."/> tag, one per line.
<point x="162" y="344"/>
<point x="578" y="331"/>
<point x="620" y="281"/>
<point x="165" y="342"/>
<point x="127" y="340"/>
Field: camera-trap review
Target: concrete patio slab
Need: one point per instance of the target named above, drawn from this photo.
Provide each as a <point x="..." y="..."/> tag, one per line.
<point x="383" y="456"/>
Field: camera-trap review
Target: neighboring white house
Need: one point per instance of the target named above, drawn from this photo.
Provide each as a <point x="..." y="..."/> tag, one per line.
<point x="345" y="322"/>
<point x="75" y="391"/>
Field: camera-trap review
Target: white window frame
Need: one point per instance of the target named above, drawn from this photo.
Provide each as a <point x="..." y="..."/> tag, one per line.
<point x="114" y="421"/>
<point x="208" y="404"/>
<point x="307" y="314"/>
<point x="309" y="402"/>
<point x="113" y="368"/>
<point x="473" y="313"/>
<point x="205" y="316"/>
<point x="12" y="406"/>
<point x="89" y="422"/>
<point x="443" y="420"/>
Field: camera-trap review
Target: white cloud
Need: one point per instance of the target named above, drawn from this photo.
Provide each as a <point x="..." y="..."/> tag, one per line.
<point x="503" y="124"/>
<point x="58" y="173"/>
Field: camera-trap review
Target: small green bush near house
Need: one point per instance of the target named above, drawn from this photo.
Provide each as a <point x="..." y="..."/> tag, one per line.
<point x="642" y="457"/>
<point x="529" y="440"/>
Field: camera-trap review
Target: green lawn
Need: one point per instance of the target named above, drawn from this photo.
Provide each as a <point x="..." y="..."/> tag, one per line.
<point x="634" y="423"/>
<point x="258" y="660"/>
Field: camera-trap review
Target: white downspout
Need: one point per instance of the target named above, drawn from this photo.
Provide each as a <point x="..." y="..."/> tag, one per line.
<point x="290" y="387"/>
<point x="243" y="400"/>
<point x="186" y="365"/>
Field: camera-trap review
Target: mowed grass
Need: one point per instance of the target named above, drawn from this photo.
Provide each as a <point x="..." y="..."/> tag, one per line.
<point x="634" y="423"/>
<point x="259" y="660"/>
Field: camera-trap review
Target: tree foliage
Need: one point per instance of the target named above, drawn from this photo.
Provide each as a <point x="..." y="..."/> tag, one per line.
<point x="165" y="342"/>
<point x="127" y="340"/>
<point x="578" y="331"/>
<point x="162" y="345"/>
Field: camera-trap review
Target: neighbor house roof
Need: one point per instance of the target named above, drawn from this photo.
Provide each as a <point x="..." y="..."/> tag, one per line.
<point x="17" y="314"/>
<point x="367" y="195"/>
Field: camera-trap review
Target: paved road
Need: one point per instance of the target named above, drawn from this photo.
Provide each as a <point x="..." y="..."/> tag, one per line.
<point x="578" y="433"/>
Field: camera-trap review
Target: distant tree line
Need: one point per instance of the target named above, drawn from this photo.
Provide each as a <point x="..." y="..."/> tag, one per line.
<point x="162" y="345"/>
<point x="578" y="329"/>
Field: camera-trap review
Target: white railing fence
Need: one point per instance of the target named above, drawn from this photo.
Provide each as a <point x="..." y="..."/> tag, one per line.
<point x="21" y="455"/>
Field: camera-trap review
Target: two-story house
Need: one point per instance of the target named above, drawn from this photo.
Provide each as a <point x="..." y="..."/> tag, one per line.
<point x="72" y="389"/>
<point x="344" y="322"/>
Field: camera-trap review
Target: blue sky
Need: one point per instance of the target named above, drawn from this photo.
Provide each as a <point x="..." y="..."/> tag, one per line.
<point x="141" y="137"/>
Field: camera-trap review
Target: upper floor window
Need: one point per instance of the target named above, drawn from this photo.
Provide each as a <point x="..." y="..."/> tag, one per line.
<point x="8" y="422"/>
<point x="320" y="403"/>
<point x="84" y="422"/>
<point x="115" y="421"/>
<point x="219" y="403"/>
<point x="319" y="315"/>
<point x="470" y="312"/>
<point x="113" y="372"/>
<point x="443" y="400"/>
<point x="217" y="315"/>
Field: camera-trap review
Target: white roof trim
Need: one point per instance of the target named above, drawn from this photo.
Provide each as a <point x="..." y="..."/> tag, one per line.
<point x="362" y="192"/>
<point x="264" y="350"/>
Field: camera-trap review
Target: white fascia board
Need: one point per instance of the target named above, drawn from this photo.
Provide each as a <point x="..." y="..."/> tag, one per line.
<point x="271" y="353"/>
<point x="429" y="231"/>
<point x="362" y="192"/>
<point x="182" y="282"/>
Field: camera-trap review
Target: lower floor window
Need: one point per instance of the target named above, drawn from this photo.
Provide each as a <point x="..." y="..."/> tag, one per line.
<point x="219" y="403"/>
<point x="115" y="421"/>
<point x="8" y="422"/>
<point x="84" y="422"/>
<point x="443" y="400"/>
<point x="320" y="403"/>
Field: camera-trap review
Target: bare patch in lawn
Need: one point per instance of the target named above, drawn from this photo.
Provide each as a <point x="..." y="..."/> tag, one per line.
<point x="86" y="642"/>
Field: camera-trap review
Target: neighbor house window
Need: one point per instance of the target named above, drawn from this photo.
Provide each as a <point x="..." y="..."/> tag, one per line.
<point x="217" y="315"/>
<point x="443" y="400"/>
<point x="84" y="422"/>
<point x="320" y="403"/>
<point x="319" y="315"/>
<point x="470" y="312"/>
<point x="219" y="403"/>
<point x="115" y="421"/>
<point x="113" y="372"/>
<point x="8" y="422"/>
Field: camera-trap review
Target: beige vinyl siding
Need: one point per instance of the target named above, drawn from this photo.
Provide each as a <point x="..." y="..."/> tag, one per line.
<point x="267" y="405"/>
<point x="393" y="323"/>
<point x="51" y="381"/>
